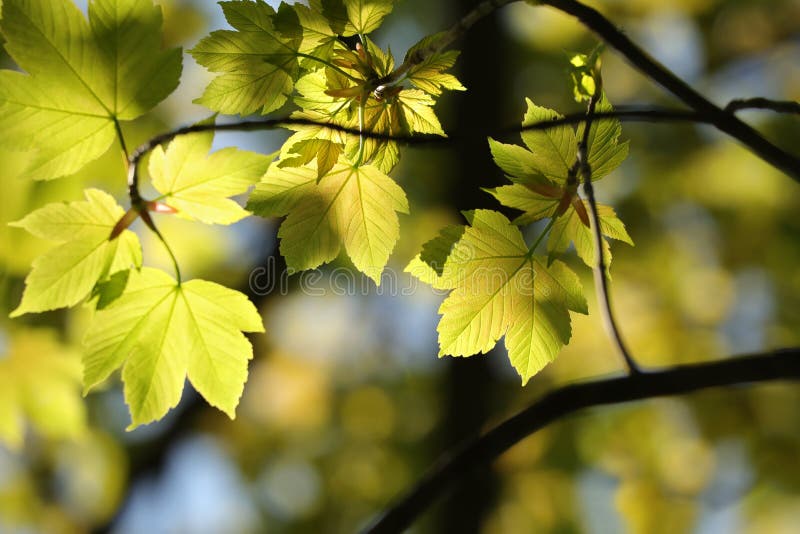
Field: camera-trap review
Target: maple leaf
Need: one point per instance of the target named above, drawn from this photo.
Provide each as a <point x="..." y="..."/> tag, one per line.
<point x="161" y="332"/>
<point x="351" y="206"/>
<point x="351" y="17"/>
<point x="40" y="384"/>
<point x="429" y="74"/>
<point x="257" y="62"/>
<point x="197" y="184"/>
<point x="498" y="288"/>
<point x="543" y="187"/>
<point x="82" y="78"/>
<point x="66" y="274"/>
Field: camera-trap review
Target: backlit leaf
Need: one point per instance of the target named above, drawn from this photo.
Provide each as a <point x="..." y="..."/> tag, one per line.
<point x="81" y="77"/>
<point x="67" y="273"/>
<point x="161" y="332"/>
<point x="197" y="184"/>
<point x="499" y="289"/>
<point x="354" y="207"/>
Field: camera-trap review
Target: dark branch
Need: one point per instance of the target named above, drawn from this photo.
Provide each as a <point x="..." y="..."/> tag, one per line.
<point x="778" y="106"/>
<point x="556" y="405"/>
<point x="724" y="121"/>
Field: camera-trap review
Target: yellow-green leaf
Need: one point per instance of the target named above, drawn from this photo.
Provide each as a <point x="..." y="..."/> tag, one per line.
<point x="500" y="289"/>
<point x="569" y="228"/>
<point x="66" y="274"/>
<point x="554" y="149"/>
<point x="81" y="77"/>
<point x="198" y="184"/>
<point x="161" y="332"/>
<point x="351" y="206"/>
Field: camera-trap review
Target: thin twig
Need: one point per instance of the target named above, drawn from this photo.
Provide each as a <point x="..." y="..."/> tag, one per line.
<point x="556" y="405"/>
<point x="779" y="106"/>
<point x="600" y="268"/>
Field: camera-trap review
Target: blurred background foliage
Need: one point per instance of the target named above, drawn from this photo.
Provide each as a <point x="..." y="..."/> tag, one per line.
<point x="347" y="404"/>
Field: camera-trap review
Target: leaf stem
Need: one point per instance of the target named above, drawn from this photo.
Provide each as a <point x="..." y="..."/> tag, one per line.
<point x="122" y="144"/>
<point x="145" y="215"/>
<point x="539" y="239"/>
<point x="360" y="155"/>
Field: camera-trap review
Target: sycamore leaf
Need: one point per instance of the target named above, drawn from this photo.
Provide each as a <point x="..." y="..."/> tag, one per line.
<point x="67" y="273"/>
<point x="325" y="151"/>
<point x="160" y="332"/>
<point x="430" y="76"/>
<point x="554" y="149"/>
<point x="417" y="112"/>
<point x="81" y="77"/>
<point x="519" y="164"/>
<point x="541" y="187"/>
<point x="570" y="227"/>
<point x="197" y="184"/>
<point x="257" y="63"/>
<point x="606" y="153"/>
<point x="40" y="384"/>
<point x="535" y="205"/>
<point x="499" y="289"/>
<point x="365" y="16"/>
<point x="351" y="17"/>
<point x="351" y="206"/>
<point x="317" y="39"/>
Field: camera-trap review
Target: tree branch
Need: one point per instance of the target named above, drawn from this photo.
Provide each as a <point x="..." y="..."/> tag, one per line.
<point x="765" y="367"/>
<point x="622" y="113"/>
<point x="778" y="106"/>
<point x="723" y="120"/>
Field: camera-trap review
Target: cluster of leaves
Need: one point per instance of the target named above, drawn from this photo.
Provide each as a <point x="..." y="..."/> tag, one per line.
<point x="331" y="185"/>
<point x="80" y="79"/>
<point x="499" y="285"/>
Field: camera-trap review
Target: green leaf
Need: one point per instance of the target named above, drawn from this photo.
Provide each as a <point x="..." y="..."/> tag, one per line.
<point x="351" y="206"/>
<point x="197" y="184"/>
<point x="67" y="273"/>
<point x="82" y="77"/>
<point x="569" y="228"/>
<point x="606" y="153"/>
<point x="325" y="151"/>
<point x="161" y="332"/>
<point x="499" y="289"/>
<point x="429" y="75"/>
<point x="517" y="196"/>
<point x="366" y="15"/>
<point x="297" y="21"/>
<point x="417" y="112"/>
<point x="519" y="164"/>
<point x="554" y="149"/>
<point x="40" y="384"/>
<point x="258" y="63"/>
<point x="110" y="290"/>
